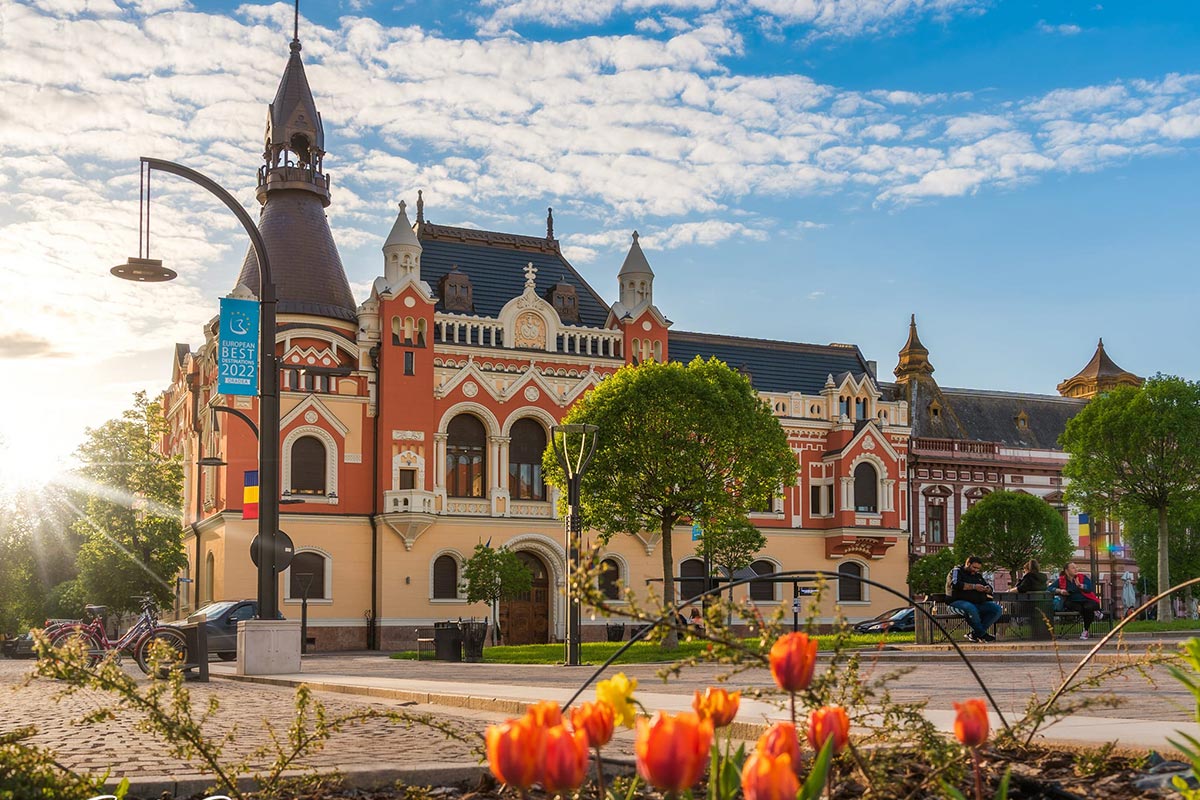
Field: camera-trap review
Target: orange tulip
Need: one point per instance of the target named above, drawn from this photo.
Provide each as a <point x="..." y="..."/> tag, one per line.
<point x="672" y="750"/>
<point x="565" y="759"/>
<point x="545" y="714"/>
<point x="514" y="752"/>
<point x="793" y="657"/>
<point x="769" y="777"/>
<point x="718" y="705"/>
<point x="971" y="722"/>
<point x="826" y="723"/>
<point x="596" y="720"/>
<point x="780" y="740"/>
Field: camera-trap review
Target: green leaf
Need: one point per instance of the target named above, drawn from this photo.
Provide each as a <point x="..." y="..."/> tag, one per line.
<point x="815" y="783"/>
<point x="1002" y="789"/>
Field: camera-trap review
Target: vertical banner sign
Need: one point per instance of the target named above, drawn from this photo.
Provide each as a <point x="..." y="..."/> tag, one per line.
<point x="697" y="532"/>
<point x="250" y="495"/>
<point x="1085" y="531"/>
<point x="238" y="357"/>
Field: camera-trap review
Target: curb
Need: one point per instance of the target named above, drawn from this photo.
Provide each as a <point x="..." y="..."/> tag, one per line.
<point x="431" y="774"/>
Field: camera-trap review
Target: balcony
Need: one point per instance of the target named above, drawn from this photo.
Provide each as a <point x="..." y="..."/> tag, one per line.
<point x="407" y="501"/>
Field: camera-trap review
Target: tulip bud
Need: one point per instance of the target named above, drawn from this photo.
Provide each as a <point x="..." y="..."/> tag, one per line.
<point x="780" y="740"/>
<point x="826" y="723"/>
<point x="718" y="705"/>
<point x="544" y="714"/>
<point x="769" y="777"/>
<point x="793" y="657"/>
<point x="672" y="751"/>
<point x="971" y="722"/>
<point x="564" y="760"/>
<point x="596" y="720"/>
<point x="513" y="752"/>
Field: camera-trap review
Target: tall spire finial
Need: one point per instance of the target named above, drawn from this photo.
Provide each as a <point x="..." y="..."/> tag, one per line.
<point x="549" y="223"/>
<point x="420" y="207"/>
<point x="296" y="26"/>
<point x="530" y="275"/>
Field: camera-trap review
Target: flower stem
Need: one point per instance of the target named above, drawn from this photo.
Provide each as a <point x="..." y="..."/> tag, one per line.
<point x="793" y="699"/>
<point x="978" y="775"/>
<point x="599" y="776"/>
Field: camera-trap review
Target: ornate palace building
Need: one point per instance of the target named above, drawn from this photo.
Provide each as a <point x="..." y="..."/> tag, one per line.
<point x="969" y="442"/>
<point x="414" y="421"/>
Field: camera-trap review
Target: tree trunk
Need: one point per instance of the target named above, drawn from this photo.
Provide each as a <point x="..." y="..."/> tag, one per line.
<point x="1164" y="572"/>
<point x="668" y="561"/>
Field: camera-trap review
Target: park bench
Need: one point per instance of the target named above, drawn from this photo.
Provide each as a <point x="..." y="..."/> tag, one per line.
<point x="425" y="641"/>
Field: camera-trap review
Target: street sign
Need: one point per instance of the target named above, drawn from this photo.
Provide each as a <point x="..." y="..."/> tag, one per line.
<point x="238" y="356"/>
<point x="697" y="532"/>
<point x="796" y="605"/>
<point x="284" y="550"/>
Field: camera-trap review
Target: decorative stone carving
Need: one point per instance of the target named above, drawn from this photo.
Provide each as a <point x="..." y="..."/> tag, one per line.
<point x="868" y="443"/>
<point x="470" y="389"/>
<point x="310" y="417"/>
<point x="531" y="331"/>
<point x="408" y="436"/>
<point x="532" y="393"/>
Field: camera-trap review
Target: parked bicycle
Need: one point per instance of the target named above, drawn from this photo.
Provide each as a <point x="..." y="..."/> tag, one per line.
<point x="136" y="641"/>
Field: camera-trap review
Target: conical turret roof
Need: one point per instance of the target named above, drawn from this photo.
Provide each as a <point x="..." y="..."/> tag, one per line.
<point x="402" y="231"/>
<point x="635" y="260"/>
<point x="1099" y="375"/>
<point x="914" y="356"/>
<point x="294" y="109"/>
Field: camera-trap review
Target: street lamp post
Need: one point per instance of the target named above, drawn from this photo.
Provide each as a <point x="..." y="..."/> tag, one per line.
<point x="574" y="446"/>
<point x="145" y="269"/>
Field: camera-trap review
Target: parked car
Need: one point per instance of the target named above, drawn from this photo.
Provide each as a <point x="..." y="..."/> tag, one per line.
<point x="221" y="622"/>
<point x="18" y="646"/>
<point x="902" y="620"/>
<point x="861" y="627"/>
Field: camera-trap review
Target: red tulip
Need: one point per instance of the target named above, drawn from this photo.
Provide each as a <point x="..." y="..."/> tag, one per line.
<point x="718" y="705"/>
<point x="769" y="777"/>
<point x="544" y="714"/>
<point x="793" y="657"/>
<point x="672" y="751"/>
<point x="596" y="720"/>
<point x="565" y="759"/>
<point x="514" y="752"/>
<point x="780" y="740"/>
<point x="827" y="723"/>
<point x="971" y="722"/>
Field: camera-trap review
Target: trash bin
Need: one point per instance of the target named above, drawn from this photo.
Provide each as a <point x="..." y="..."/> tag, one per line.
<point x="1041" y="610"/>
<point x="615" y="631"/>
<point x="447" y="641"/>
<point x="474" y="633"/>
<point x="924" y="625"/>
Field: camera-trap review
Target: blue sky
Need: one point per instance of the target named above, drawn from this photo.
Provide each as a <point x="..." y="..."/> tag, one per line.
<point x="1021" y="176"/>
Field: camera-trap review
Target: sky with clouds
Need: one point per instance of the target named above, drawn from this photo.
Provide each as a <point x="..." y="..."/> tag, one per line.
<point x="1019" y="175"/>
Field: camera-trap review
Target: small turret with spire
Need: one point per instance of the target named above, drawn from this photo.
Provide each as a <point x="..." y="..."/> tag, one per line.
<point x="914" y="356"/>
<point x="1100" y="375"/>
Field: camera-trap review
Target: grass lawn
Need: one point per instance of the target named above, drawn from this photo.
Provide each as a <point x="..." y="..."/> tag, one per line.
<point x="642" y="652"/>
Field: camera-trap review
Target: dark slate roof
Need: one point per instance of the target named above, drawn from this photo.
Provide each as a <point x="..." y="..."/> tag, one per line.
<point x="294" y="94"/>
<point x="773" y="366"/>
<point x="307" y="270"/>
<point x="495" y="263"/>
<point x="989" y="416"/>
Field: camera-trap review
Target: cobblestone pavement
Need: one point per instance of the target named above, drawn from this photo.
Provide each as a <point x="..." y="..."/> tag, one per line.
<point x="117" y="745"/>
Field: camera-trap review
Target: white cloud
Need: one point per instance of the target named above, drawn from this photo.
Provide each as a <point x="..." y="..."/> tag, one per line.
<point x="1060" y="30"/>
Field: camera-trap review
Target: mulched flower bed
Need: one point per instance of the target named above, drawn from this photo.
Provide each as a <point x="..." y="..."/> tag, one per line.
<point x="1052" y="774"/>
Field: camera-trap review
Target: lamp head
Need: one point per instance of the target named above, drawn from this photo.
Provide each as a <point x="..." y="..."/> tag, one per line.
<point x="144" y="270"/>
<point x="211" y="461"/>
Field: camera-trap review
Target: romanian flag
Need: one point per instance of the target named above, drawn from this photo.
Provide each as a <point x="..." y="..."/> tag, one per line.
<point x="250" y="495"/>
<point x="1085" y="531"/>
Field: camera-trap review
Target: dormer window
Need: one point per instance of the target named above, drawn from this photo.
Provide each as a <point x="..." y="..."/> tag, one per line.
<point x="455" y="289"/>
<point x="565" y="301"/>
<point x="935" y="411"/>
<point x="1022" y="420"/>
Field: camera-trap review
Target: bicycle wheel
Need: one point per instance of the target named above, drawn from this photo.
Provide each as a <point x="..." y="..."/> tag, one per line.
<point x="65" y="636"/>
<point x="174" y="639"/>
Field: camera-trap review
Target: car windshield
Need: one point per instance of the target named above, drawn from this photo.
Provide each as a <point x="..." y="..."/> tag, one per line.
<point x="904" y="612"/>
<point x="214" y="610"/>
<point x="888" y="614"/>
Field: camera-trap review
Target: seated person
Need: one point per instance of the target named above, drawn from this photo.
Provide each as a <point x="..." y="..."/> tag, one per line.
<point x="1034" y="580"/>
<point x="695" y="620"/>
<point x="1074" y="598"/>
<point x="973" y="597"/>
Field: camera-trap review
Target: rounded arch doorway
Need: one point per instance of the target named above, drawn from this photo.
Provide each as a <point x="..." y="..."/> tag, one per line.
<point x="526" y="619"/>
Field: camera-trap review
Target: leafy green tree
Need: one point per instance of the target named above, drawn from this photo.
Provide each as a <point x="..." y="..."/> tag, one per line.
<point x="676" y="442"/>
<point x="927" y="575"/>
<point x="1006" y="529"/>
<point x="730" y="545"/>
<point x="133" y="537"/>
<point x="491" y="575"/>
<point x="37" y="551"/>
<point x="1138" y="449"/>
<point x="1183" y="523"/>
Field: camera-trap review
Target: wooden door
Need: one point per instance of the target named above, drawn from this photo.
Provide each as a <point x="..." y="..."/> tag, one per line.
<point x="526" y="619"/>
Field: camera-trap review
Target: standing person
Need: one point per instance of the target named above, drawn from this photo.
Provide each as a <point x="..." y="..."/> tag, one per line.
<point x="1074" y="598"/>
<point x="1128" y="593"/>
<point x="973" y="597"/>
<point x="1034" y="580"/>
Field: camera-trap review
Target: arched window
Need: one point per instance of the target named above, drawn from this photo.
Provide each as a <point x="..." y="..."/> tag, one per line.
<point x="466" y="463"/>
<point x="445" y="578"/>
<point x="843" y="407"/>
<point x="610" y="579"/>
<point x="850" y="588"/>
<point x="397" y="331"/>
<point x="308" y="567"/>
<point x="866" y="488"/>
<point x="210" y="577"/>
<point x="308" y="466"/>
<point x="693" y="571"/>
<point x="762" y="590"/>
<point x="525" y="461"/>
